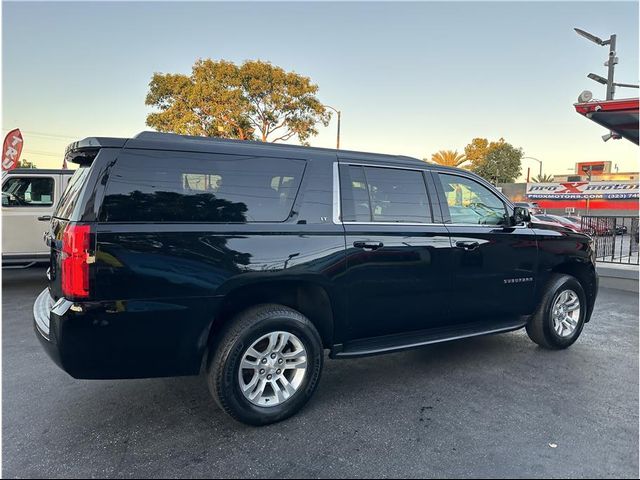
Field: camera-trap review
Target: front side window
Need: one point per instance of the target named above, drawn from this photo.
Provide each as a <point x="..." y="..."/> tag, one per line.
<point x="375" y="194"/>
<point x="470" y="202"/>
<point x="147" y="186"/>
<point x="28" y="192"/>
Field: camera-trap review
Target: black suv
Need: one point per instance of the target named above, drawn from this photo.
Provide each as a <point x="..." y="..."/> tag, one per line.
<point x="175" y="255"/>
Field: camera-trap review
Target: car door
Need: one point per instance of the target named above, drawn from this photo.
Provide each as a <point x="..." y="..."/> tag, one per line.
<point x="493" y="264"/>
<point x="26" y="199"/>
<point x="396" y="268"/>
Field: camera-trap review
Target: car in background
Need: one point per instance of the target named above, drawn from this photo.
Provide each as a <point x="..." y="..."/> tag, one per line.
<point x="620" y="229"/>
<point x="29" y="196"/>
<point x="595" y="226"/>
<point x="534" y="208"/>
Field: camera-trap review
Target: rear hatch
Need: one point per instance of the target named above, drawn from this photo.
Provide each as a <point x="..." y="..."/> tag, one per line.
<point x="71" y="235"/>
<point x="59" y="222"/>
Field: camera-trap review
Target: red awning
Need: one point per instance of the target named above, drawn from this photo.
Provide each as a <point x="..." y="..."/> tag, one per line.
<point x="619" y="116"/>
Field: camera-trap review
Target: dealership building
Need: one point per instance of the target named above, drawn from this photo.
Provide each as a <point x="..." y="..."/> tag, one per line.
<point x="593" y="189"/>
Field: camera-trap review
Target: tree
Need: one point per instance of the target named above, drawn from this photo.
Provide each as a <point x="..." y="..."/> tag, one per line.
<point x="498" y="162"/>
<point x="448" y="158"/>
<point x="24" y="163"/>
<point x="502" y="164"/>
<point x="255" y="100"/>
<point x="544" y="178"/>
<point x="477" y="151"/>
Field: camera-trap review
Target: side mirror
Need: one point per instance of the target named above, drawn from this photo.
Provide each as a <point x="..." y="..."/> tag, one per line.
<point x="520" y="215"/>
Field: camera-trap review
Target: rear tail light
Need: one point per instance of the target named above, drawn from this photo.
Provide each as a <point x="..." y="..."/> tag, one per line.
<point x="75" y="261"/>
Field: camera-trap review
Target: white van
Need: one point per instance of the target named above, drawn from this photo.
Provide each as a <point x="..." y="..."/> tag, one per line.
<point x="29" y="196"/>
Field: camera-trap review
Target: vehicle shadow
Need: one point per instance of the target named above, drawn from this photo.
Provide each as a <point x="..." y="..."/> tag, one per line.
<point x="342" y="384"/>
<point x="21" y="279"/>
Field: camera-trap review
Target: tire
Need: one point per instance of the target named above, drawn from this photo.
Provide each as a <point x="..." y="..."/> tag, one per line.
<point x="540" y="326"/>
<point x="259" y="324"/>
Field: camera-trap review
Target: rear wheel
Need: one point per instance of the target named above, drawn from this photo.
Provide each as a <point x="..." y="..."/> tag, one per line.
<point x="267" y="364"/>
<point x="559" y="320"/>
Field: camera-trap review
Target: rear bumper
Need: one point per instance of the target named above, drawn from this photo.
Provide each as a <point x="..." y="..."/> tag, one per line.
<point x="124" y="339"/>
<point x="43" y="309"/>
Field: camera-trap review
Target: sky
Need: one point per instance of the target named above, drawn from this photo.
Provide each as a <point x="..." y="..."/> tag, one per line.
<point x="409" y="78"/>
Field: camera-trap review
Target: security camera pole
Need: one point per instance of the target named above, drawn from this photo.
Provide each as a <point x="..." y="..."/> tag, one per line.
<point x="611" y="63"/>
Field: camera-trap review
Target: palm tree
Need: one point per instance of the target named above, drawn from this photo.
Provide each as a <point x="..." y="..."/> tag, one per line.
<point x="543" y="178"/>
<point x="448" y="158"/>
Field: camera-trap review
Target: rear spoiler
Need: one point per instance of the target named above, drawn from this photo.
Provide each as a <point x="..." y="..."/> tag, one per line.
<point x="84" y="151"/>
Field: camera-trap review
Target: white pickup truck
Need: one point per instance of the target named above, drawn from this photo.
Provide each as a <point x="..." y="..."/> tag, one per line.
<point x="29" y="196"/>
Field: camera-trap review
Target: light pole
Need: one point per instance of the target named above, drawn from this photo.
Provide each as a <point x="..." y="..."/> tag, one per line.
<point x="611" y="63"/>
<point x="539" y="161"/>
<point x="339" y="114"/>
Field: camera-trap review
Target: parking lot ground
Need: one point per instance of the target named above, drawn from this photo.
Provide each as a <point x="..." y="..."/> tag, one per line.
<point x="486" y="407"/>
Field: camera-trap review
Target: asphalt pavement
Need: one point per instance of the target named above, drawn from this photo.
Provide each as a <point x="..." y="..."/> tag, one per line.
<point x="495" y="406"/>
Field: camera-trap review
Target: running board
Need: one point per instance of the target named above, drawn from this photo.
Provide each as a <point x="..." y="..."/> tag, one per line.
<point x="405" y="341"/>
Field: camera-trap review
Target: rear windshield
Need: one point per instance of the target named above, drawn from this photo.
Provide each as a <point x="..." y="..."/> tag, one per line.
<point x="152" y="186"/>
<point x="72" y="192"/>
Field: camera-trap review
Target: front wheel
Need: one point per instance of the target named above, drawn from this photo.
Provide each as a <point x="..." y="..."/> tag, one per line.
<point x="267" y="364"/>
<point x="560" y="317"/>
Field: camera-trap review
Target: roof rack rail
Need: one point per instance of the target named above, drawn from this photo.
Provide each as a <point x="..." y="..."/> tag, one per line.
<point x="163" y="137"/>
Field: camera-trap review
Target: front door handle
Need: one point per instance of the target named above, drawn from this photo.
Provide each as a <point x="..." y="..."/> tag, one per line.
<point x="467" y="245"/>
<point x="44" y="218"/>
<point x="368" y="245"/>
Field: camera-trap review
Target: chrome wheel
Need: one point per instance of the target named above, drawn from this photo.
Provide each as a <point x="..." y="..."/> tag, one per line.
<point x="565" y="313"/>
<point x="272" y="369"/>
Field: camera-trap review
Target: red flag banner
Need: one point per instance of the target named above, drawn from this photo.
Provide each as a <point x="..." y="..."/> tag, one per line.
<point x="11" y="149"/>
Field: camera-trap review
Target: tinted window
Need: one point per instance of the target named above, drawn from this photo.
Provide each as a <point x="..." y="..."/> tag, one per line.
<point x="470" y="202"/>
<point x="72" y="192"/>
<point x="28" y="192"/>
<point x="184" y="187"/>
<point x="355" y="195"/>
<point x="385" y="195"/>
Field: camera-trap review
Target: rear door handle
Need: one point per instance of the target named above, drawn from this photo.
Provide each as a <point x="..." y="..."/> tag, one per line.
<point x="467" y="245"/>
<point x="368" y="245"/>
<point x="45" y="218"/>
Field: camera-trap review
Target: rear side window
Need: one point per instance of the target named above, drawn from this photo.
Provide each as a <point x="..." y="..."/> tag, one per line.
<point x="374" y="194"/>
<point x="148" y="186"/>
<point x="28" y="192"/>
<point x="355" y="195"/>
<point x="72" y="192"/>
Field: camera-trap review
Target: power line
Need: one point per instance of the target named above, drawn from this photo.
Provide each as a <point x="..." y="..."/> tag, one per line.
<point x="40" y="152"/>
<point x="48" y="135"/>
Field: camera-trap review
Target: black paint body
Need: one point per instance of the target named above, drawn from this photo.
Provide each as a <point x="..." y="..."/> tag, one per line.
<point x="160" y="291"/>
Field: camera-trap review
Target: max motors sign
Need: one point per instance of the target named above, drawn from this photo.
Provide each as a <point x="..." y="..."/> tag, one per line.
<point x="583" y="190"/>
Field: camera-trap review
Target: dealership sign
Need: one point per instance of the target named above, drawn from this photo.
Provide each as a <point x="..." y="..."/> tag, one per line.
<point x="11" y="150"/>
<point x="583" y="190"/>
